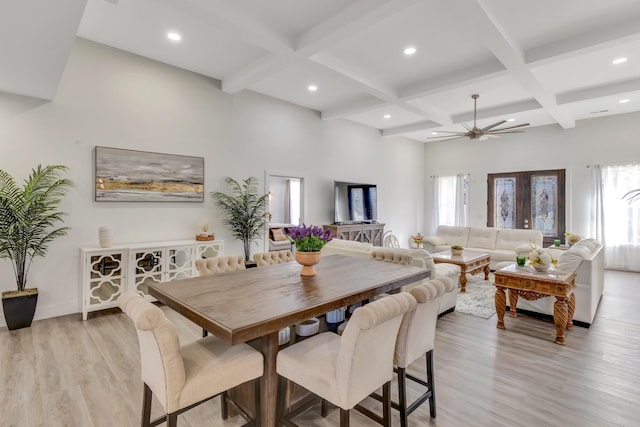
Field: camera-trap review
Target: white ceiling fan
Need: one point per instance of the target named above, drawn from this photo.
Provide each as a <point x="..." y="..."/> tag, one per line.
<point x="479" y="133"/>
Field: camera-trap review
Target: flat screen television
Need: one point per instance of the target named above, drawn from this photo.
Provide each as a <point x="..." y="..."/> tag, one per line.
<point x="355" y="202"/>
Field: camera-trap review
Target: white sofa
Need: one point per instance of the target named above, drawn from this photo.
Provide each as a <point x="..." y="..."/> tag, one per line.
<point x="419" y="258"/>
<point x="501" y="244"/>
<point x="586" y="257"/>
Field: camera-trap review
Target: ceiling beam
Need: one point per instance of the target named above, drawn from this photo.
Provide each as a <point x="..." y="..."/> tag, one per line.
<point x="463" y="77"/>
<point x="604" y="37"/>
<point x="344" y="24"/>
<point x="413" y="127"/>
<point x="507" y="51"/>
<point x="626" y="86"/>
<point x="502" y="110"/>
<point x="227" y="17"/>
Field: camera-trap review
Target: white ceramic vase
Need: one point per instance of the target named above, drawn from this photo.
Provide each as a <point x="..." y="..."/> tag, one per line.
<point x="105" y="236"/>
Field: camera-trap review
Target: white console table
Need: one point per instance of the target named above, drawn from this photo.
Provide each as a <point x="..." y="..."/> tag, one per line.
<point x="106" y="273"/>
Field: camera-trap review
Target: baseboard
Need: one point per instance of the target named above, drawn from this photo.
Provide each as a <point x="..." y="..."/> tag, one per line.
<point x="48" y="312"/>
<point x="547" y="317"/>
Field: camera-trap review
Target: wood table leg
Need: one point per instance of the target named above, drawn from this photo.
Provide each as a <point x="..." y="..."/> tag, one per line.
<point x="501" y="306"/>
<point x="560" y="313"/>
<point x="486" y="272"/>
<point x="269" y="380"/>
<point x="463" y="280"/>
<point x="513" y="303"/>
<point x="571" y="308"/>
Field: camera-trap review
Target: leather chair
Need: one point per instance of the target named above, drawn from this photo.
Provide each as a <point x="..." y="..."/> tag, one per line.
<point x="182" y="377"/>
<point x="271" y="258"/>
<point x="345" y="369"/>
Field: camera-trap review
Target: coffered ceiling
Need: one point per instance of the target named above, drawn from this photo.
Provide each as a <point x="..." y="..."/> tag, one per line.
<point x="542" y="62"/>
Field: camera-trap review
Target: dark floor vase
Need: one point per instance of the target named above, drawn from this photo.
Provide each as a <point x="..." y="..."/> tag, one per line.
<point x="19" y="308"/>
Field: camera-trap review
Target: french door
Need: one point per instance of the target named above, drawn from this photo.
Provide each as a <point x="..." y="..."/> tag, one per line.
<point x="531" y="200"/>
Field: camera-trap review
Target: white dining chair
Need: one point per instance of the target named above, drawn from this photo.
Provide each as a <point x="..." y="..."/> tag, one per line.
<point x="344" y="370"/>
<point x="181" y="377"/>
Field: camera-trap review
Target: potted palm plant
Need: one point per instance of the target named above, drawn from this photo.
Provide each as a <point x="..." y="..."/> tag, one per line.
<point x="245" y="210"/>
<point x="28" y="223"/>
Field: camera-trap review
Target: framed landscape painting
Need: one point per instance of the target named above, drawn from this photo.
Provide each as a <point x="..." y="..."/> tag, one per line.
<point x="141" y="176"/>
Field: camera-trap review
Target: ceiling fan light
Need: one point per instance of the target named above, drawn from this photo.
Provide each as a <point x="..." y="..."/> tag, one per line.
<point x="619" y="61"/>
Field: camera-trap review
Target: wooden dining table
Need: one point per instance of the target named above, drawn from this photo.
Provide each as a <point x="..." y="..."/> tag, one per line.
<point x="256" y="303"/>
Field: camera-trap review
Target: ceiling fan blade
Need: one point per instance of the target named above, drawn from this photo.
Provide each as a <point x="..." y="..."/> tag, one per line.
<point x="511" y="127"/>
<point x="449" y="131"/>
<point x="508" y="131"/>
<point x="494" y="125"/>
<point x="456" y="135"/>
<point x="466" y="126"/>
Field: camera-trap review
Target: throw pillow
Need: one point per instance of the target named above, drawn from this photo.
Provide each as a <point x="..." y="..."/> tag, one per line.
<point x="278" y="235"/>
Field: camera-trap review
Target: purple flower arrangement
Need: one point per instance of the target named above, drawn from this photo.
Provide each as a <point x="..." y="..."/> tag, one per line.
<point x="309" y="238"/>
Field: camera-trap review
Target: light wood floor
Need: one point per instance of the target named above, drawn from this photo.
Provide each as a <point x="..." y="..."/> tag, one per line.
<point x="66" y="372"/>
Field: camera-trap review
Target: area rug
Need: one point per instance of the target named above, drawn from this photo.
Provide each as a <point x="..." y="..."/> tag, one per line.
<point x="478" y="300"/>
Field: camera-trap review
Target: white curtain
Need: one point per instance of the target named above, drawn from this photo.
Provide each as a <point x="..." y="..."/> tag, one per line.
<point x="621" y="217"/>
<point x="597" y="205"/>
<point x="450" y="205"/>
<point x="461" y="207"/>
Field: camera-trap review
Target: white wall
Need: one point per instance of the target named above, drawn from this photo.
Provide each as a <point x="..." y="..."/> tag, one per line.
<point x="110" y="98"/>
<point x="606" y="140"/>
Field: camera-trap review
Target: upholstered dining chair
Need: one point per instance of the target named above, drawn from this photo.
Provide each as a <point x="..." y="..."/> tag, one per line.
<point x="346" y="369"/>
<point x="263" y="259"/>
<point x="219" y="264"/>
<point x="183" y="377"/>
<point x="416" y="338"/>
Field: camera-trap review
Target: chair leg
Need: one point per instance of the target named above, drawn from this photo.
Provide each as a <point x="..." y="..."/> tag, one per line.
<point x="204" y="333"/>
<point x="344" y="417"/>
<point x="431" y="384"/>
<point x="257" y="411"/>
<point x="402" y="396"/>
<point x="386" y="404"/>
<point x="172" y="420"/>
<point x="146" y="406"/>
<point x="224" y="406"/>
<point x="324" y="409"/>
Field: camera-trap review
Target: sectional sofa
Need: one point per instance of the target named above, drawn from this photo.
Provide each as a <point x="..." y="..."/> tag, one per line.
<point x="419" y="258"/>
<point x="586" y="258"/>
<point x="500" y="243"/>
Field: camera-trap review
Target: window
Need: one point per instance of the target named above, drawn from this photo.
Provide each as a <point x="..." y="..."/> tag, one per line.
<point x="533" y="199"/>
<point x="621" y="216"/>
<point x="450" y="200"/>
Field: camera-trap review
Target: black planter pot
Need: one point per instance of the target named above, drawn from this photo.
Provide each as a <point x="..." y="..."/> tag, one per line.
<point x="19" y="308"/>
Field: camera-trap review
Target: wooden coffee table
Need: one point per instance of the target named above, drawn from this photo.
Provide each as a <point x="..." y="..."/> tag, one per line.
<point x="470" y="262"/>
<point x="530" y="284"/>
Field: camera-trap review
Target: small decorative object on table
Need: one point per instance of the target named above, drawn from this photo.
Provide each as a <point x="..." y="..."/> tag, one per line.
<point x="418" y="240"/>
<point x="456" y="250"/>
<point x="308" y="327"/>
<point x="205" y="235"/>
<point x="571" y="239"/>
<point x="309" y="241"/>
<point x="541" y="259"/>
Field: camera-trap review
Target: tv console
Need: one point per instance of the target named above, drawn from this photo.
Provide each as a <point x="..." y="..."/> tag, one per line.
<point x="365" y="232"/>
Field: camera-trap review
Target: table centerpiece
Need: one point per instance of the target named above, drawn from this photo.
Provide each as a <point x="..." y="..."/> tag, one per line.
<point x="308" y="240"/>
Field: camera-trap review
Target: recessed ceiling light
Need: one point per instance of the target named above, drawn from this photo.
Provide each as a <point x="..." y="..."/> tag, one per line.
<point x="410" y="51"/>
<point x="174" y="36"/>
<point x="434" y="133"/>
<point x="511" y="120"/>
<point x="312" y="88"/>
<point x="624" y="101"/>
<point x="387" y="116"/>
<point x="619" y="60"/>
